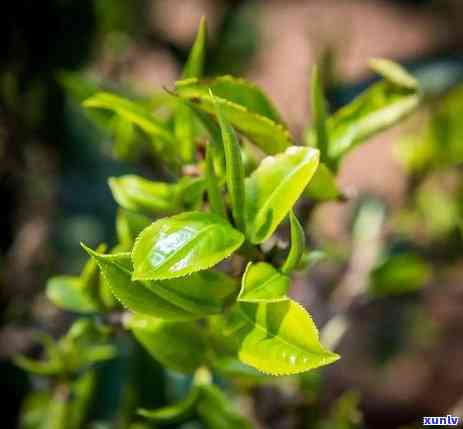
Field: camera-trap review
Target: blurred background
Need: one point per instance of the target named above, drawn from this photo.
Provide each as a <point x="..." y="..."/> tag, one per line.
<point x="402" y="353"/>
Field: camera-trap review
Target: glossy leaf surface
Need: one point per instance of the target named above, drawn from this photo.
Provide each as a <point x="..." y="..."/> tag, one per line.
<point x="277" y="338"/>
<point x="274" y="187"/>
<point x="177" y="345"/>
<point x="183" y="244"/>
<point x="262" y="282"/>
<point x="256" y="119"/>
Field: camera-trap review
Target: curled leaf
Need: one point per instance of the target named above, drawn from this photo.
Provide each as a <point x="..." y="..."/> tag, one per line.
<point x="297" y="245"/>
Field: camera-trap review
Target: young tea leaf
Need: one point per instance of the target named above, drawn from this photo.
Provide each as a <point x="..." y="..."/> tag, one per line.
<point x="394" y="73"/>
<point x="323" y="186"/>
<point x="135" y="296"/>
<point x="277" y="338"/>
<point x="262" y="282"/>
<point x="297" y="245"/>
<point x="195" y="64"/>
<point x="255" y="117"/>
<point x="274" y="187"/>
<point x="234" y="167"/>
<point x="213" y="186"/>
<point x="183" y="244"/>
<point x="319" y="112"/>
<point x="180" y="346"/>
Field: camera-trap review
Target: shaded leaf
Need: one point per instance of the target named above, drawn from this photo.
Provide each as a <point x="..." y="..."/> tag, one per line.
<point x="135" y="296"/>
<point x="177" y="345"/>
<point x="323" y="185"/>
<point x="213" y="187"/>
<point x="274" y="187"/>
<point x="69" y="294"/>
<point x="277" y="338"/>
<point x="183" y="244"/>
<point x="262" y="282"/>
<point x="319" y="112"/>
<point x="297" y="245"/>
<point x="234" y="167"/>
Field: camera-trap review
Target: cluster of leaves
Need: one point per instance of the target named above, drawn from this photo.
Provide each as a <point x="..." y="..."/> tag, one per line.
<point x="196" y="274"/>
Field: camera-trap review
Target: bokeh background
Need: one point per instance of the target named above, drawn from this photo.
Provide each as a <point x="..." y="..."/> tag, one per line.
<point x="402" y="355"/>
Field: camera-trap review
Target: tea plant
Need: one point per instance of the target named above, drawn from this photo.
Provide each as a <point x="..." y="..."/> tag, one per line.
<point x="198" y="276"/>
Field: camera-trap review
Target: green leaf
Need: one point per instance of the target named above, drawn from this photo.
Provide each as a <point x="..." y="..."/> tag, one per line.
<point x="297" y="245"/>
<point x="319" y="112"/>
<point x="213" y="187"/>
<point x="277" y="338"/>
<point x="245" y="107"/>
<point x="376" y="109"/>
<point x="323" y="185"/>
<point x="180" y="346"/>
<point x="399" y="274"/>
<point x="394" y="73"/>
<point x="164" y="140"/>
<point x="195" y="64"/>
<point x="184" y="129"/>
<point x="69" y="294"/>
<point x="128" y="226"/>
<point x="138" y="194"/>
<point x="262" y="282"/>
<point x="183" y="244"/>
<point x="234" y="167"/>
<point x="217" y="411"/>
<point x="177" y="413"/>
<point x="135" y="296"/>
<point x="274" y="187"/>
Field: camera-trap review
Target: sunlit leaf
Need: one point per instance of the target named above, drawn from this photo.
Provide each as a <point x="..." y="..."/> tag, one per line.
<point x="274" y="187"/>
<point x="277" y="338"/>
<point x="297" y="245"/>
<point x="262" y="282"/>
<point x="195" y="63"/>
<point x="183" y="244"/>
<point x="177" y="345"/>
<point x="394" y="73"/>
<point x="244" y="105"/>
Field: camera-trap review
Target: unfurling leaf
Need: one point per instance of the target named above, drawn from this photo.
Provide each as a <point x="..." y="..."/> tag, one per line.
<point x="376" y="109"/>
<point x="394" y="73"/>
<point x="263" y="283"/>
<point x="195" y="64"/>
<point x="180" y="346"/>
<point x="319" y="112"/>
<point x="195" y="296"/>
<point x="277" y="338"/>
<point x="274" y="187"/>
<point x="183" y="244"/>
<point x="244" y="105"/>
<point x="297" y="245"/>
<point x="234" y="167"/>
